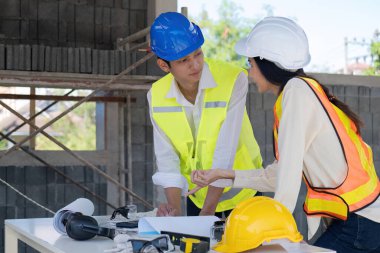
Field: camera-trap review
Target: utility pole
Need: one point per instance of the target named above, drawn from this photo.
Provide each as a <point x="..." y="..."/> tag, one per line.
<point x="354" y="41"/>
<point x="345" y="55"/>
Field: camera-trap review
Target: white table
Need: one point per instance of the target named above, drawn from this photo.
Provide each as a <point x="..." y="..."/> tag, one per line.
<point x="284" y="246"/>
<point x="40" y="234"/>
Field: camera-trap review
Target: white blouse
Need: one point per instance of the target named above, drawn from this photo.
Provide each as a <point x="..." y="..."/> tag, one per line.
<point x="307" y="143"/>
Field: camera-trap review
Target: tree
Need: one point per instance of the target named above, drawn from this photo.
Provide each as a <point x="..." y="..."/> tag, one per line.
<point x="77" y="130"/>
<point x="375" y="52"/>
<point x="221" y="35"/>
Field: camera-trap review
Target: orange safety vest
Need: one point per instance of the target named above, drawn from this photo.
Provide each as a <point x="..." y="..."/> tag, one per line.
<point x="361" y="186"/>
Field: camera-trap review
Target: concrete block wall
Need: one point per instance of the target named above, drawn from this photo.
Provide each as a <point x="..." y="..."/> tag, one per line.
<point x="48" y="189"/>
<point x="68" y="23"/>
<point x="69" y="59"/>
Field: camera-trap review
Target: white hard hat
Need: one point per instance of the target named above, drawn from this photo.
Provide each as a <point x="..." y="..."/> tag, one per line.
<point x="279" y="40"/>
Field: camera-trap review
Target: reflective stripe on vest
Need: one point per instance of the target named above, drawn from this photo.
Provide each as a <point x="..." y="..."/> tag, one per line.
<point x="199" y="155"/>
<point x="215" y="104"/>
<point x="361" y="186"/>
<point x="167" y="109"/>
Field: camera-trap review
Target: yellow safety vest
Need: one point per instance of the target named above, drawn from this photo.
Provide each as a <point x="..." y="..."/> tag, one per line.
<point x="171" y="118"/>
<point x="361" y="186"/>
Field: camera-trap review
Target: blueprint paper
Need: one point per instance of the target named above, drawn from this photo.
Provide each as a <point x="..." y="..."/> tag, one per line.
<point x="192" y="225"/>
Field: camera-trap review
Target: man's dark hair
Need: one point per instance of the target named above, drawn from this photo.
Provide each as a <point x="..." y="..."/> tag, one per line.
<point x="167" y="62"/>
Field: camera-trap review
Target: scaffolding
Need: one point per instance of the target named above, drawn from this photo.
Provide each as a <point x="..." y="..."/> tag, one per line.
<point x="102" y="89"/>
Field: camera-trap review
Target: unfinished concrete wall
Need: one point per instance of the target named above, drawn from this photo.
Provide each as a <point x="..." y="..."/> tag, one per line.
<point x="70" y="23"/>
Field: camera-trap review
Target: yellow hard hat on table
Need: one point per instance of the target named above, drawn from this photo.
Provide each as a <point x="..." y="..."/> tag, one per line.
<point x="254" y="221"/>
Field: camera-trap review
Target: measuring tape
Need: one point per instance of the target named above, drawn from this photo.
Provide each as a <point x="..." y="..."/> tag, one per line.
<point x="191" y="245"/>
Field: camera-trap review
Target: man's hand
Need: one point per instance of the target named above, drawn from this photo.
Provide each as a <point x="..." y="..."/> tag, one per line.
<point x="173" y="206"/>
<point x="167" y="210"/>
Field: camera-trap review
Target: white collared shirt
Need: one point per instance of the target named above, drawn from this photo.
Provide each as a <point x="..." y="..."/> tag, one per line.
<point x="168" y="164"/>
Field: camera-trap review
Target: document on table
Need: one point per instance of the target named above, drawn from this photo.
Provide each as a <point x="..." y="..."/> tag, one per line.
<point x="191" y="225"/>
<point x="285" y="246"/>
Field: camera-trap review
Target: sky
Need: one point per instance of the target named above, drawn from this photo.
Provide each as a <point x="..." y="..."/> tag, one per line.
<point x="326" y="23"/>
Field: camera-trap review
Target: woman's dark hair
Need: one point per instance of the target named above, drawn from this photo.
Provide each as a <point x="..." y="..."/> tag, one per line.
<point x="280" y="77"/>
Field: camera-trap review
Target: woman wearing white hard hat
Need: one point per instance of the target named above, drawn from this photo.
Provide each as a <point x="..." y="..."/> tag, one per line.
<point x="316" y="138"/>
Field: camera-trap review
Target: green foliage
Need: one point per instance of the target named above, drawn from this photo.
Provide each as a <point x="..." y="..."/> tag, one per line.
<point x="221" y="35"/>
<point x="3" y="144"/>
<point x="76" y="130"/>
<point x="375" y="52"/>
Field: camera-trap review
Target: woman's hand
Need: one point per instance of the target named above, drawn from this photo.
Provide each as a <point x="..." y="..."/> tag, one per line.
<point x="203" y="178"/>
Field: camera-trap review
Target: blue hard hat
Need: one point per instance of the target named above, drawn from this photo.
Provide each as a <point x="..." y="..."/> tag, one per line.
<point x="173" y="36"/>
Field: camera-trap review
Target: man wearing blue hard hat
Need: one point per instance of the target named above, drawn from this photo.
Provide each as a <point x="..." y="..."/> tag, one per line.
<point x="199" y="120"/>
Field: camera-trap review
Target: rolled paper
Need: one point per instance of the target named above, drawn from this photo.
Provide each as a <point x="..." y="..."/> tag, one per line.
<point x="81" y="205"/>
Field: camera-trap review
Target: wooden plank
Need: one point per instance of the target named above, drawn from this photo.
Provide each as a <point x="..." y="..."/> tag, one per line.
<point x="11" y="78"/>
<point x="33" y="97"/>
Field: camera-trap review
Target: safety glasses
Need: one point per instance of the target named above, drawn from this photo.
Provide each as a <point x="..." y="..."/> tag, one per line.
<point x="158" y="244"/>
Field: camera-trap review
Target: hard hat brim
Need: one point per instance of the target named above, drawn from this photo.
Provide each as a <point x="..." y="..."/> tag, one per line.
<point x="241" y="48"/>
<point x="222" y="247"/>
<point x="279" y="40"/>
